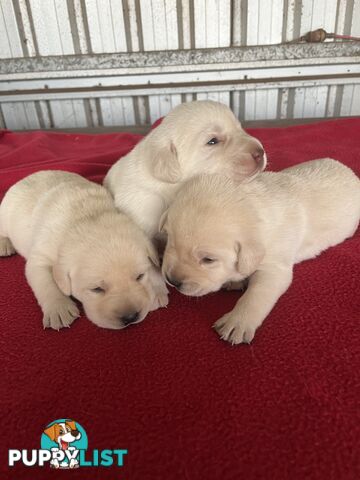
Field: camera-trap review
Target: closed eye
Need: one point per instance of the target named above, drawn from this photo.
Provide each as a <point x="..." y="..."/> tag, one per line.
<point x="208" y="260"/>
<point x="213" y="141"/>
<point x="139" y="277"/>
<point x="97" y="290"/>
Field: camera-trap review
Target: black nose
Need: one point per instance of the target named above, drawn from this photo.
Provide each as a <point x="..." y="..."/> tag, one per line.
<point x="74" y="433"/>
<point x="173" y="281"/>
<point x="130" y="318"/>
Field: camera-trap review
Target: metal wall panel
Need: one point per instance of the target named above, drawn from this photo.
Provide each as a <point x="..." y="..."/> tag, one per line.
<point x="39" y="28"/>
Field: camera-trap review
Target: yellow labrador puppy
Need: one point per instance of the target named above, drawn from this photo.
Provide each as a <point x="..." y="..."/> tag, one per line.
<point x="196" y="137"/>
<point x="76" y="243"/>
<point x="219" y="232"/>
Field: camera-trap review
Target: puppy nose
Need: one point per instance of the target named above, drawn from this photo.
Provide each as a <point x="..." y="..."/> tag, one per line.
<point x="258" y="155"/>
<point x="74" y="433"/>
<point x="173" y="281"/>
<point x="130" y="318"/>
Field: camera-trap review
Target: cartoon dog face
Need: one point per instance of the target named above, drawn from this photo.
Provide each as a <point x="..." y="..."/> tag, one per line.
<point x="63" y="433"/>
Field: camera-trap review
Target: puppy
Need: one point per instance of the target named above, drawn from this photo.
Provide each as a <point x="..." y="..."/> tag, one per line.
<point x="63" y="434"/>
<point x="219" y="232"/>
<point x="76" y="243"/>
<point x="196" y="137"/>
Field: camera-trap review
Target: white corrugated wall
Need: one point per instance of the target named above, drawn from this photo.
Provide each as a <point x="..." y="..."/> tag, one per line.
<point x="41" y="28"/>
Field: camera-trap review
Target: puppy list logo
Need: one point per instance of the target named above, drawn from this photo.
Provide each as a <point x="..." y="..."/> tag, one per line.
<point x="64" y="445"/>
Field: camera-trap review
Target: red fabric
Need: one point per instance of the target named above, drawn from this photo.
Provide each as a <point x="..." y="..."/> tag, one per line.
<point x="185" y="404"/>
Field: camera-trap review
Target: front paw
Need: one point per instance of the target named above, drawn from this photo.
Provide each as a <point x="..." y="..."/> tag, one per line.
<point x="241" y="285"/>
<point x="60" y="313"/>
<point x="235" y="329"/>
<point x="161" y="300"/>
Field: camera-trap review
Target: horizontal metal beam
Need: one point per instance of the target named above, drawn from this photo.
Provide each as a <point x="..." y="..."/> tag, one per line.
<point x="184" y="60"/>
<point x="176" y="89"/>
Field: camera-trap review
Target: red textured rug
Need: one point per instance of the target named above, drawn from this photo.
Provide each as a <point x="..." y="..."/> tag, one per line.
<point x="183" y="403"/>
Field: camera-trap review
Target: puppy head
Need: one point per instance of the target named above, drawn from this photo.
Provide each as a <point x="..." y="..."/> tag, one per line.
<point x="63" y="433"/>
<point x="203" y="137"/>
<point x="108" y="267"/>
<point x="209" y="242"/>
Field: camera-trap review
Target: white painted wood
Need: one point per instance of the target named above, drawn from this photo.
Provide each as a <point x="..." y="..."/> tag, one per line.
<point x="351" y="100"/>
<point x="212" y="23"/>
<point x="236" y="23"/>
<point x="9" y="35"/>
<point x="5" y="51"/>
<point x="106" y="113"/>
<point x="68" y="113"/>
<point x="264" y="22"/>
<point x="235" y="104"/>
<point x="31" y="115"/>
<point x="79" y="18"/>
<point x="52" y="26"/>
<point x="128" y="111"/>
<point x="331" y="99"/>
<point x="186" y="23"/>
<point x="310" y="102"/>
<point x="355" y="24"/>
<point x="27" y="28"/>
<point x="284" y="92"/>
<point x="159" y="24"/>
<point x="45" y="114"/>
<point x="20" y="115"/>
<point x="306" y="16"/>
<point x="106" y="26"/>
<point x="264" y="27"/>
<point x="289" y="27"/>
<point x="250" y="105"/>
<point x="141" y="106"/>
<point x="355" y="104"/>
<point x="261" y="105"/>
<point x="134" y="33"/>
<point x="14" y="115"/>
<point x="340" y="20"/>
<point x="93" y="113"/>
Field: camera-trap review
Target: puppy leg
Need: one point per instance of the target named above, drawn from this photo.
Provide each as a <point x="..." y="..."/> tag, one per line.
<point x="240" y="285"/>
<point x="58" y="309"/>
<point x="6" y="247"/>
<point x="160" y="291"/>
<point x="265" y="288"/>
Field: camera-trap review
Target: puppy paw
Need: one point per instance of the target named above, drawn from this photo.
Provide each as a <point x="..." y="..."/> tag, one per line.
<point x="60" y="314"/>
<point x="6" y="247"/>
<point x="161" y="300"/>
<point x="241" y="285"/>
<point x="234" y="329"/>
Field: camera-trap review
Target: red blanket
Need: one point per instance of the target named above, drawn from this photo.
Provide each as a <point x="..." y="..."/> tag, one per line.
<point x="182" y="402"/>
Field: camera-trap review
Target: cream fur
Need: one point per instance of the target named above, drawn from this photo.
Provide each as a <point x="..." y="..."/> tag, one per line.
<point x="259" y="230"/>
<point x="74" y="240"/>
<point x="145" y="181"/>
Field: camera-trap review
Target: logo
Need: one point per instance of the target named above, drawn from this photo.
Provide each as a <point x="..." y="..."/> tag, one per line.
<point x="64" y="445"/>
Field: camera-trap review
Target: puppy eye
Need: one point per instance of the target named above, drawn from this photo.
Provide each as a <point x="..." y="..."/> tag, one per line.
<point x="61" y="432"/>
<point x="139" y="277"/>
<point x="213" y="141"/>
<point x="97" y="290"/>
<point x="208" y="260"/>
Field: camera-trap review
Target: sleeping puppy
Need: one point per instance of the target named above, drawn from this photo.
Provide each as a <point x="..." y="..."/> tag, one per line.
<point x="196" y="137"/>
<point x="76" y="243"/>
<point x="220" y="232"/>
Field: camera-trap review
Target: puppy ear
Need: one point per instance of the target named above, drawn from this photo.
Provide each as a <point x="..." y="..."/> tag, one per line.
<point x="51" y="432"/>
<point x="152" y="254"/>
<point x="71" y="424"/>
<point x="249" y="257"/>
<point x="162" y="221"/>
<point x="164" y="163"/>
<point x="62" y="278"/>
